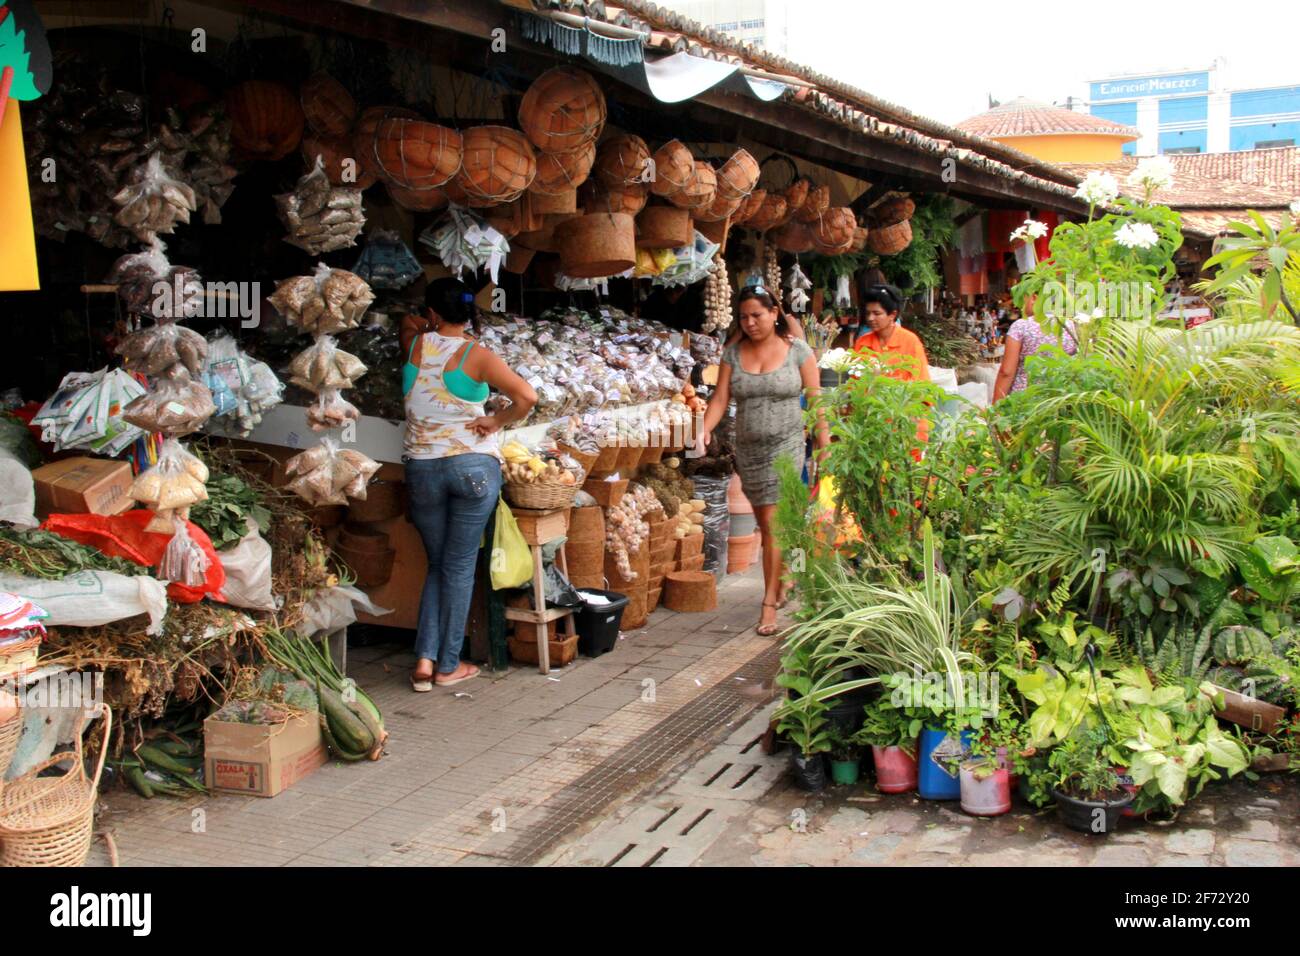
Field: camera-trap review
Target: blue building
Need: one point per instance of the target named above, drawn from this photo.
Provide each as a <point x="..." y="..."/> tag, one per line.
<point x="1193" y="112"/>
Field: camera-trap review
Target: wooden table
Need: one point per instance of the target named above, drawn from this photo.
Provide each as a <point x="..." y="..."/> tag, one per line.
<point x="540" y="528"/>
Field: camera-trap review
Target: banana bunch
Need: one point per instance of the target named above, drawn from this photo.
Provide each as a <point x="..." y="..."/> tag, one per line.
<point x="525" y="467"/>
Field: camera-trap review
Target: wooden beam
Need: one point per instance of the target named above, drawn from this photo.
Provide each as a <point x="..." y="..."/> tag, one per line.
<point x="865" y="201"/>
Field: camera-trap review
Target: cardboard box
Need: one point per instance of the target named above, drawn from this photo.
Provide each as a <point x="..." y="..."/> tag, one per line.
<point x="261" y="760"/>
<point x="82" y="486"/>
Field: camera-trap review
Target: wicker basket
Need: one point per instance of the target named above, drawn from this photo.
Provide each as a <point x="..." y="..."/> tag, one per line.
<point x="690" y="591"/>
<point x="689" y="546"/>
<point x="629" y="459"/>
<point x="597" y="245"/>
<point x="10" y="731"/>
<point x="796" y="194"/>
<point x="818" y="201"/>
<point x="372" y="568"/>
<point x="564" y="202"/>
<point x="497" y="166"/>
<point x="49" y="821"/>
<point x="892" y="211"/>
<point x="413" y="153"/>
<point x="715" y="231"/>
<point x="859" y="239"/>
<point x="586" y="562"/>
<point x="630" y="200"/>
<point x="418" y="200"/>
<point x="523" y="646"/>
<point x="385" y="498"/>
<point x="769" y="214"/>
<point x="663" y="227"/>
<point x="584" y="458"/>
<point x="586" y="525"/>
<point x="563" y="110"/>
<point x="694" y="563"/>
<point x="637" y="609"/>
<point x="623" y="160"/>
<point x="832" y="233"/>
<point x="674" y="169"/>
<point x="539" y="497"/>
<point x="327" y="105"/>
<point x="738" y="175"/>
<point x="890" y="240"/>
<point x="700" y="192"/>
<point x="652" y="599"/>
<point x="606" y="462"/>
<point x="793" y="237"/>
<point x="543" y="240"/>
<point x="753" y="202"/>
<point x="607" y="493"/>
<point x="723" y="207"/>
<point x="561" y="172"/>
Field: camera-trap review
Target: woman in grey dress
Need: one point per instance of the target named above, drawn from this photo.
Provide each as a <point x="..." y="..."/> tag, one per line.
<point x="766" y="373"/>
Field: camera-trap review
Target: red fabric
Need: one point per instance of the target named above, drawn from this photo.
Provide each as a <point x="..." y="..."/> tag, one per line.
<point x="123" y="536"/>
<point x="1042" y="247"/>
<point x="1002" y="223"/>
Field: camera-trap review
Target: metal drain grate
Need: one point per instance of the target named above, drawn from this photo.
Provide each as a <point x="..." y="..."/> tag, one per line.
<point x="642" y="759"/>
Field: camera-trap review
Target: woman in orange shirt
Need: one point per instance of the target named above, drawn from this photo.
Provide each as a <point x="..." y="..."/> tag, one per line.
<point x="899" y="348"/>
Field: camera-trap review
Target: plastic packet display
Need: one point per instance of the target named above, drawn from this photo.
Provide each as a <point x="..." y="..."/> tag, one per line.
<point x="321" y="217"/>
<point x="323" y="365"/>
<point x="331" y="410"/>
<point x="326" y="475"/>
<point x="154" y="350"/>
<point x="463" y="240"/>
<point x="173" y="408"/>
<point x="253" y="385"/>
<point x="177" y="481"/>
<point x="153" y="201"/>
<point x="327" y="301"/>
<point x="148" y="284"/>
<point x="183" y="561"/>
<point x="87" y="412"/>
<point x="717" y="522"/>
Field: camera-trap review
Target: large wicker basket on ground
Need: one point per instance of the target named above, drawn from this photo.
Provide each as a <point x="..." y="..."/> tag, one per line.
<point x="597" y="245"/>
<point x="49" y="821"/>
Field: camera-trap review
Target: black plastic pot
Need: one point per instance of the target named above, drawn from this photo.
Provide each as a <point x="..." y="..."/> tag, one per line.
<point x="1090" y="816"/>
<point x="809" y="772"/>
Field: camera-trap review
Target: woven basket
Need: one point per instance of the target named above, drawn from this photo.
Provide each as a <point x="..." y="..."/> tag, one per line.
<point x="563" y="110"/>
<point x="895" y="210"/>
<point x="557" y="203"/>
<point x="722" y="207"/>
<point x="523" y="646"/>
<point x="586" y="459"/>
<point x="539" y="497"/>
<point x="597" y="245"/>
<point x="586" y="562"/>
<point x="663" y="227"/>
<point x="700" y="192"/>
<point x="818" y="201"/>
<point x="606" y="462"/>
<point x="793" y="237"/>
<point x="497" y="166"/>
<point x="674" y="169"/>
<point x="715" y="231"/>
<point x="327" y="105"/>
<point x="652" y="599"/>
<point x="640" y="565"/>
<point x="629" y="459"/>
<point x="334" y="151"/>
<point x="561" y="172"/>
<point x="753" y="202"/>
<point x="10" y="731"/>
<point x="796" y="194"/>
<point x="890" y="240"/>
<point x="543" y="240"/>
<point x="832" y="233"/>
<point x="769" y="213"/>
<point x="690" y="591"/>
<point x="859" y="239"/>
<point x="637" y="609"/>
<point x="413" y="153"/>
<point x="629" y="200"/>
<point x="512" y="218"/>
<point x="623" y="160"/>
<point x="694" y="563"/>
<point x="49" y="821"/>
<point x="607" y="493"/>
<point x="519" y="259"/>
<point x="689" y="546"/>
<point x="385" y="498"/>
<point x="738" y="175"/>
<point x="586" y="525"/>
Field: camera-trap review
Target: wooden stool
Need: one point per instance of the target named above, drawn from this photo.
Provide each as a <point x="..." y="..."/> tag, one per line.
<point x="540" y="528"/>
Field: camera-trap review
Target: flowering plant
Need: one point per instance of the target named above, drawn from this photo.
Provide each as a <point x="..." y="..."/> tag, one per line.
<point x="1098" y="189"/>
<point x="1136" y="235"/>
<point x="838" y="360"/>
<point x="1152" y="174"/>
<point x="1031" y="229"/>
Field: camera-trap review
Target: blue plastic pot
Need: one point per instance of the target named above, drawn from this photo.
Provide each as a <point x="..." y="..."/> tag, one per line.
<point x="939" y="779"/>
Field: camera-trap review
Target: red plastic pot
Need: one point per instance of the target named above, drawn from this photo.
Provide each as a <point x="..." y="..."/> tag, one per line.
<point x="895" y="769"/>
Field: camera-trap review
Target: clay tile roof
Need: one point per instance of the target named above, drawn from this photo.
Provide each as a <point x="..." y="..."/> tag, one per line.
<point x="1247" y="179"/>
<point x="1023" y="117"/>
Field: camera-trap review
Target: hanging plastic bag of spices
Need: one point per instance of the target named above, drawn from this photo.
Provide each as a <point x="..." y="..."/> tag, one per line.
<point x="182" y="560"/>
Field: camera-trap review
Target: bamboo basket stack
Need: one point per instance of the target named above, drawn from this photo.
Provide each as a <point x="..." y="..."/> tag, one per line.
<point x="585" y="549"/>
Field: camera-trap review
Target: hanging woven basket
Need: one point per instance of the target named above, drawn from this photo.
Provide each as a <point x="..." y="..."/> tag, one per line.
<point x="716" y="231"/>
<point x="663" y="227"/>
<point x="750" y="206"/>
<point x="497" y="167"/>
<point x="266" y="120"/>
<point x="512" y="218"/>
<point x="561" y="172"/>
<point x="597" y="245"/>
<point x="894" y="210"/>
<point x="674" y="169"/>
<point x="413" y="153"/>
<point x="890" y="240"/>
<point x="700" y="192"/>
<point x="630" y="200"/>
<point x="563" y="110"/>
<point x="818" y="201"/>
<point x="769" y="214"/>
<point x="796" y="194"/>
<point x="859" y="239"/>
<point x="793" y="237"/>
<point x="722" y="207"/>
<point x="327" y="106"/>
<point x="738" y="175"/>
<point x="623" y="160"/>
<point x="832" y="233"/>
<point x="418" y="200"/>
<point x="343" y="165"/>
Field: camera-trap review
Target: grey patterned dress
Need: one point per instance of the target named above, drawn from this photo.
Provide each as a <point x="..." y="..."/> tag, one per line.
<point x="769" y="420"/>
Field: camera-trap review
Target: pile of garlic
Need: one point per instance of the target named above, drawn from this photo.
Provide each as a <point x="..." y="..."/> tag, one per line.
<point x="771" y="270"/>
<point x="626" y="533"/>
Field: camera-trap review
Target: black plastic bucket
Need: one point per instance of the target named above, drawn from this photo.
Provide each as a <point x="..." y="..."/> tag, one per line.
<point x="598" y="624"/>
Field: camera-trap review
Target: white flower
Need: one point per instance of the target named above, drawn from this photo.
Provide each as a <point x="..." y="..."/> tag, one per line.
<point x="838" y="360"/>
<point x="1098" y="189"/>
<point x="1295" y="207"/>
<point x="1136" y="235"/>
<point x="1152" y="173"/>
<point x="1031" y="230"/>
<point x="1082" y="318"/>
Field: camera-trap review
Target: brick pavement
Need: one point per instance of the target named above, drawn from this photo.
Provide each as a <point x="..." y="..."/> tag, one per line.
<point x="494" y="771"/>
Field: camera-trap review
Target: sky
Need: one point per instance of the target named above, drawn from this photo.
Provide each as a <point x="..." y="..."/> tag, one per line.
<point x="943" y="59"/>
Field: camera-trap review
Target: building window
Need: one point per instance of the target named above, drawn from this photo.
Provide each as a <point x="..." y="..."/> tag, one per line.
<point x="725" y="27"/>
<point x="1273" y="143"/>
<point x="1182" y="149"/>
<point x="752" y="24"/>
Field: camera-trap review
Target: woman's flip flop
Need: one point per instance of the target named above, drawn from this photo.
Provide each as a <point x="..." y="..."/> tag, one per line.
<point x="471" y="673"/>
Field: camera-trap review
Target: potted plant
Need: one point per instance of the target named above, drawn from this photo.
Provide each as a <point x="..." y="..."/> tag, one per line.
<point x="845" y="757"/>
<point x="891" y="734"/>
<point x="985" y="777"/>
<point x="1089" y="795"/>
<point x="812" y="673"/>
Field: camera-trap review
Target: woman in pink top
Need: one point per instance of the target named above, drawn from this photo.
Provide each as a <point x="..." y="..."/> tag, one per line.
<point x="1024" y="338"/>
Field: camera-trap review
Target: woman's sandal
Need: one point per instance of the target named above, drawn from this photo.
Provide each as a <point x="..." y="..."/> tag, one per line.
<point x="421" y="685"/>
<point x="768" y="630"/>
<point x="471" y="672"/>
<point x="786" y="591"/>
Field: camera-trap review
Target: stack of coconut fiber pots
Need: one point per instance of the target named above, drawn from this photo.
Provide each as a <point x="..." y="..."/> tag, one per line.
<point x="662" y="550"/>
<point x="360" y="543"/>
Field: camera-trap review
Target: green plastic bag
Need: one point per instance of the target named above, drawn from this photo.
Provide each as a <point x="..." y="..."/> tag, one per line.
<point x="512" y="559"/>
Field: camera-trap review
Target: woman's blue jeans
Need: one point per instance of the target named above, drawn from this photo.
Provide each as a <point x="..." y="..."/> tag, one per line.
<point x="451" y="500"/>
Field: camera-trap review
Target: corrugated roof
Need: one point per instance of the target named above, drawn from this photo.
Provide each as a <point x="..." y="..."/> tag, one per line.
<point x="1025" y="117"/>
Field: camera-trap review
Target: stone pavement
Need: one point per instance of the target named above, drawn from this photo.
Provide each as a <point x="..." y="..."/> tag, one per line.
<point x="738" y="807"/>
<point x="494" y="771"/>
